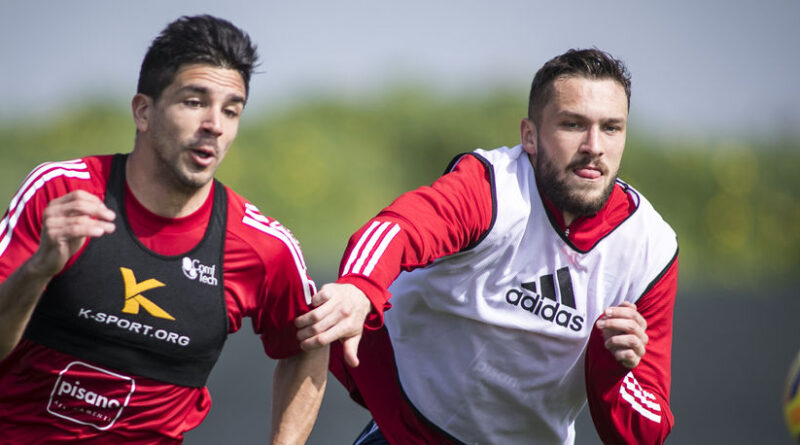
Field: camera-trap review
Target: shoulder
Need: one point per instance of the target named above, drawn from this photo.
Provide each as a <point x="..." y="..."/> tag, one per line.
<point x="264" y="236"/>
<point x="264" y="244"/>
<point x="481" y="160"/>
<point x="500" y="154"/>
<point x="648" y="241"/>
<point x="56" y="178"/>
<point x="645" y="215"/>
<point x="50" y="180"/>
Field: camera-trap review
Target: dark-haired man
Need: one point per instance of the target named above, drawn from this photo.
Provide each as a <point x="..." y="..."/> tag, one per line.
<point x="121" y="275"/>
<point x="523" y="282"/>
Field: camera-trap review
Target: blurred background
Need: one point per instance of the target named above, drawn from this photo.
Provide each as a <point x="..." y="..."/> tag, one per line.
<point x="358" y="101"/>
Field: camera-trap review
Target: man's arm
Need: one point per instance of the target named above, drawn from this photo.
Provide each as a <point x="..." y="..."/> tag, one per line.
<point x="66" y="223"/>
<point x="628" y="362"/>
<point x="417" y="228"/>
<point x="297" y="390"/>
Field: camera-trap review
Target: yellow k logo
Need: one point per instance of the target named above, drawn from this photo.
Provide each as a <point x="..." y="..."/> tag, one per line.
<point x="134" y="298"/>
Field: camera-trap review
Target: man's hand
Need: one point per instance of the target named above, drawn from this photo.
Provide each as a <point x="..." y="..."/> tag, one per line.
<point x="66" y="223"/>
<point x="624" y="331"/>
<point x="340" y="312"/>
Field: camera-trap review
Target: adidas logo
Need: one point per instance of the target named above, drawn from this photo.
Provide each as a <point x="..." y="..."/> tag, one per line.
<point x="544" y="303"/>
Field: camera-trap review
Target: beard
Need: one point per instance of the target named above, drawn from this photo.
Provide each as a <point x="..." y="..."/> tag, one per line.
<point x="576" y="200"/>
<point x="174" y="168"/>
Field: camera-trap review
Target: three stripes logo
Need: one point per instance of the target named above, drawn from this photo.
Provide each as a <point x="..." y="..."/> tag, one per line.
<point x="134" y="298"/>
<point x="542" y="301"/>
<point x="371" y="245"/>
<point x="642" y="401"/>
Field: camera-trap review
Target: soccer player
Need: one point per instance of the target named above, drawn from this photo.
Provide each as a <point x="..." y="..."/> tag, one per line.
<point x="121" y="275"/>
<point x="523" y="282"/>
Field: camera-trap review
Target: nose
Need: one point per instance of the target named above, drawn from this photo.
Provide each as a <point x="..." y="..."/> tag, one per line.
<point x="591" y="143"/>
<point x="212" y="122"/>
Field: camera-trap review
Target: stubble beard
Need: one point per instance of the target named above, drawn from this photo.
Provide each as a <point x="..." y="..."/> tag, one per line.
<point x="174" y="169"/>
<point x="568" y="198"/>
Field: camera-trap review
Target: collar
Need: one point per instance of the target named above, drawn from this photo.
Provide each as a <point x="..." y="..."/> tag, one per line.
<point x="587" y="230"/>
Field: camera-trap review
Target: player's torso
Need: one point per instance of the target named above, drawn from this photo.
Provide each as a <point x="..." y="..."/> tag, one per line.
<point x="123" y="340"/>
<point x="502" y="327"/>
<point x="126" y="307"/>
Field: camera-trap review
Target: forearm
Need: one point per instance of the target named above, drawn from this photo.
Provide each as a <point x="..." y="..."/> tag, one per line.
<point x="297" y="391"/>
<point x="19" y="294"/>
<point x="631" y="406"/>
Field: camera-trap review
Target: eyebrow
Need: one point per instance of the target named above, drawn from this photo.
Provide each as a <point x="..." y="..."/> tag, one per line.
<point x="234" y="98"/>
<point x="570" y="114"/>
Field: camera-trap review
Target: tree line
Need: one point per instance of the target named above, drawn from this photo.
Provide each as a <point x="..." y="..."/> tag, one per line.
<point x="324" y="166"/>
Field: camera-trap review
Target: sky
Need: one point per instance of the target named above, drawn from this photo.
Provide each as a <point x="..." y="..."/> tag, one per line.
<point x="717" y="67"/>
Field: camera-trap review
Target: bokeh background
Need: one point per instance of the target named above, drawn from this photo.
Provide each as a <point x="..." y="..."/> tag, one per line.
<point x="358" y="101"/>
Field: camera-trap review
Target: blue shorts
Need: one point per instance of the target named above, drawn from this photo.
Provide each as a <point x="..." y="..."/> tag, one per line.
<point x="371" y="436"/>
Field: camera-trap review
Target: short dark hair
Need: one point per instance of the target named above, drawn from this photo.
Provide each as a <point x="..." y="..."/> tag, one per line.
<point x="588" y="63"/>
<point x="202" y="39"/>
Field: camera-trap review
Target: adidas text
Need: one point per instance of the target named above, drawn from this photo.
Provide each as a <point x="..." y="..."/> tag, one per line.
<point x="548" y="310"/>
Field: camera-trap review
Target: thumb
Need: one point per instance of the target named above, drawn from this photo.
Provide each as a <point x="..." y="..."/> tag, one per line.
<point x="319" y="298"/>
<point x="350" y="346"/>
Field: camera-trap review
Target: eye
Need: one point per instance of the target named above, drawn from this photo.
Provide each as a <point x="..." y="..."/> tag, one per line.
<point x="231" y="113"/>
<point x="192" y="103"/>
<point x="613" y="128"/>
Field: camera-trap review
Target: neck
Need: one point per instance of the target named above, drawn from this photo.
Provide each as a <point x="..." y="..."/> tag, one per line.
<point x="157" y="192"/>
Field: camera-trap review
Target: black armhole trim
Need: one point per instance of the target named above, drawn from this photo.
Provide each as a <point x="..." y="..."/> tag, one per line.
<point x="660" y="275"/>
<point x="490" y="169"/>
<point x="627" y="189"/>
<point x="419" y="414"/>
<point x="221" y="194"/>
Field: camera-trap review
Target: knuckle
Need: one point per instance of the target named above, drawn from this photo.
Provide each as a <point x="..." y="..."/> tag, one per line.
<point x="345" y="312"/>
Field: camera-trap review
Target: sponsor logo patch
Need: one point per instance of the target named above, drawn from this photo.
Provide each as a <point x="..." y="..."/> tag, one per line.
<point x="90" y="395"/>
<point x="194" y="270"/>
<point x="134" y="298"/>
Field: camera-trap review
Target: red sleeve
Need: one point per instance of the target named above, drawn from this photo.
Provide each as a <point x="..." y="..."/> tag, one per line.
<point x="21" y="224"/>
<point x="417" y="228"/>
<point x="632" y="406"/>
<point x="287" y="292"/>
<point x="265" y="278"/>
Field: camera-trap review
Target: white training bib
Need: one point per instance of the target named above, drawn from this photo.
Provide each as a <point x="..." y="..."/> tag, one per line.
<point x="489" y="342"/>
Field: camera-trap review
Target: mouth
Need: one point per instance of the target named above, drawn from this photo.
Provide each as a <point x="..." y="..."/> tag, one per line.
<point x="203" y="155"/>
<point x="590" y="172"/>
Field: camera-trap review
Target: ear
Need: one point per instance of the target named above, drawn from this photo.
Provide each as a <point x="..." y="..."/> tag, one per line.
<point x="142" y="107"/>
<point x="527" y="134"/>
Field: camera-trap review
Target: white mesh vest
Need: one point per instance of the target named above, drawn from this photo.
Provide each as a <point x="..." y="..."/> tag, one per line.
<point x="489" y="342"/>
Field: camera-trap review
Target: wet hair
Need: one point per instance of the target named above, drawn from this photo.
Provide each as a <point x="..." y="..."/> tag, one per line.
<point x="201" y="39"/>
<point x="589" y="63"/>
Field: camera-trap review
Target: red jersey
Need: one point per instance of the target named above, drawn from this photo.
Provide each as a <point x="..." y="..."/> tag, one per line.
<point x="264" y="278"/>
<point x="452" y="216"/>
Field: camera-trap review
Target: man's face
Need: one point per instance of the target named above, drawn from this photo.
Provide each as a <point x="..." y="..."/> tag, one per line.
<point x="193" y="123"/>
<point x="577" y="147"/>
